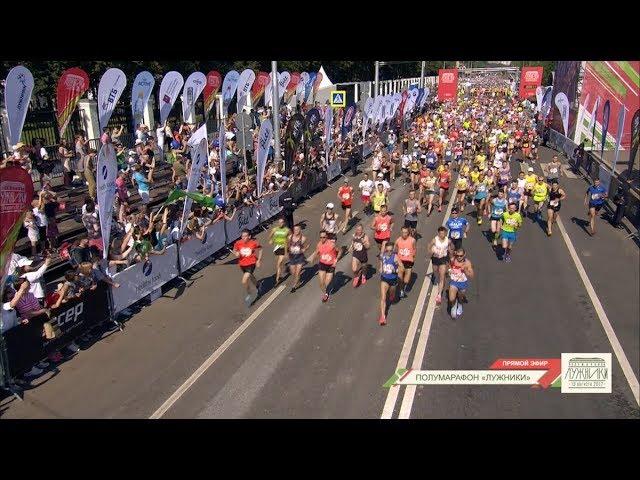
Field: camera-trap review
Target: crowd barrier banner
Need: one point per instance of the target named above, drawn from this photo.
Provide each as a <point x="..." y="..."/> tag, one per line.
<point x="141" y="279"/>
<point x="334" y="169"/>
<point x="194" y="251"/>
<point x="245" y="217"/>
<point x="297" y="190"/>
<point x="270" y="206"/>
<point x="26" y="345"/>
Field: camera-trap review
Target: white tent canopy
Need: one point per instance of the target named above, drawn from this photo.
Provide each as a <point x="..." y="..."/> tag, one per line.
<point x="325" y="79"/>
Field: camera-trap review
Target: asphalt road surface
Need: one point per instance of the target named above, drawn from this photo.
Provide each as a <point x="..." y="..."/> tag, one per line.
<point x="198" y="352"/>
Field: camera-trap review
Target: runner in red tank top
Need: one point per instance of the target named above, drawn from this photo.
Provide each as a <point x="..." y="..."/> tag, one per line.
<point x="345" y="195"/>
<point x="327" y="254"/>
<point x="245" y="250"/>
<point x="381" y="225"/>
<point x="405" y="247"/>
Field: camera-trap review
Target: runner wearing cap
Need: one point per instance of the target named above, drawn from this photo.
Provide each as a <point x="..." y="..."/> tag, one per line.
<point x="458" y="228"/>
<point x="345" y="195"/>
<point x="529" y="183"/>
<point x="382" y="225"/>
<point x="405" y="247"/>
<point x="327" y="254"/>
<point x="329" y="221"/>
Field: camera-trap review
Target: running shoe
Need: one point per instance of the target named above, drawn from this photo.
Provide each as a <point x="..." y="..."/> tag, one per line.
<point x="382" y="320"/>
<point x="247" y="300"/>
<point x="454" y="309"/>
<point x="438" y="299"/>
<point x="356" y="281"/>
<point x="363" y="279"/>
<point x="459" y="309"/>
<point x="403" y="294"/>
<point x="325" y="297"/>
<point x="507" y="258"/>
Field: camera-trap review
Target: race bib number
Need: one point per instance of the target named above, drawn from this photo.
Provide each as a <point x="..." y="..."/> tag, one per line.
<point x="482" y="188"/>
<point x="382" y="227"/>
<point x="512" y="222"/>
<point x="499" y="211"/>
<point x="357" y="247"/>
<point x="404" y="252"/>
<point x="245" y="252"/>
<point x="326" y="258"/>
<point x="455" y="234"/>
<point x="554" y="203"/>
<point x="387" y="268"/>
<point x="553" y="170"/>
<point x="448" y="153"/>
<point x="595" y="196"/>
<point x="457" y="275"/>
<point x="346" y="196"/>
<point x="295" y="249"/>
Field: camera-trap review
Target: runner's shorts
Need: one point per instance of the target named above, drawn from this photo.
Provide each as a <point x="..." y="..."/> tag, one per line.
<point x="511" y="236"/>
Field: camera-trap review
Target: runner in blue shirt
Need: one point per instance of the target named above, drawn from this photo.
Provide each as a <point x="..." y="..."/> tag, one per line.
<point x="458" y="228"/>
<point x="595" y="196"/>
<point x="498" y="207"/>
<point x="431" y="160"/>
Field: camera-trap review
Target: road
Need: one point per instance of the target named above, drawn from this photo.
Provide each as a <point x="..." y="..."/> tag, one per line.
<point x="200" y="353"/>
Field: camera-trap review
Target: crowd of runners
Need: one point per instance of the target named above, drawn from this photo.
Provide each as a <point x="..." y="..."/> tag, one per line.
<point x="458" y="155"/>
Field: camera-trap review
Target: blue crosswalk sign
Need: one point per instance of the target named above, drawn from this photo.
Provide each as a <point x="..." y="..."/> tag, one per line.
<point x="338" y="98"/>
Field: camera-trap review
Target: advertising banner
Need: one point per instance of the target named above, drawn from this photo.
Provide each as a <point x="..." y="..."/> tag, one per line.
<point x="199" y="159"/>
<point x="229" y="85"/>
<point x="621" y="116"/>
<point x="18" y="87"/>
<point x="141" y="279"/>
<point x="194" y="250"/>
<point x="293" y="135"/>
<point x="110" y="88"/>
<point x="140" y="94"/>
<point x="214" y="80"/>
<point x="635" y="138"/>
<point x="71" y="86"/>
<point x="259" y="85"/>
<point x="170" y="87"/>
<point x="530" y="80"/>
<point x="222" y="149"/>
<point x="447" y="84"/>
<point x="193" y="87"/>
<point x="264" y="142"/>
<point x="245" y="82"/>
<point x="347" y="119"/>
<point x="316" y="84"/>
<point x="284" y="78"/>
<point x="292" y="88"/>
<point x="334" y="169"/>
<point x="562" y="102"/>
<point x="606" y="111"/>
<point x="270" y="206"/>
<point x="245" y="217"/>
<point x="106" y="173"/>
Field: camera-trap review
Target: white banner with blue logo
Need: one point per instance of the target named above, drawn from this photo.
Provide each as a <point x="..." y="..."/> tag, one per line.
<point x="270" y="206"/>
<point x="334" y="169"/>
<point x="106" y="173"/>
<point x="245" y="217"/>
<point x="111" y="86"/>
<point x="193" y="251"/>
<point x="141" y="279"/>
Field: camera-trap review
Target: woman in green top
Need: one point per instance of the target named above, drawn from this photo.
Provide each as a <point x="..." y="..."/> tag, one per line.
<point x="278" y="238"/>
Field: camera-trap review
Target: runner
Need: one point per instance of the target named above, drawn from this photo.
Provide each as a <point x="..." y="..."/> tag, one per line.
<point x="345" y="195"/>
<point x="460" y="271"/>
<point x="529" y="183"/>
<point x="556" y="195"/>
<point x="427" y="191"/>
<point x="366" y="188"/>
<point x="498" y="207"/>
<point x="245" y="250"/>
<point x="382" y="225"/>
<point x="359" y="262"/>
<point x="511" y="222"/>
<point x="554" y="170"/>
<point x="329" y="221"/>
<point x="504" y="176"/>
<point x="327" y="254"/>
<point x="278" y="238"/>
<point x="462" y="185"/>
<point x="540" y="193"/>
<point x="388" y="267"/>
<point x="458" y="228"/>
<point x="379" y="198"/>
<point x="414" y="166"/>
<point x="596" y="196"/>
<point x="404" y="167"/>
<point x="405" y="247"/>
<point x="411" y="208"/>
<point x="522" y="182"/>
<point x="444" y="179"/>
<point x="296" y="246"/>
<point x="439" y="247"/>
<point x="480" y="197"/>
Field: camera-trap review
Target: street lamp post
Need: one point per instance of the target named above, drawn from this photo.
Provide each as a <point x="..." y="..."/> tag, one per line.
<point x="375" y="93"/>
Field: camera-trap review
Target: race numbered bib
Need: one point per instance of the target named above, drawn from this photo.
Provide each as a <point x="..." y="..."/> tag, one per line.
<point x="245" y="252"/>
<point x="595" y="196"/>
<point x="382" y="227"/>
<point x="346" y="196"/>
<point x="512" y="222"/>
<point x="404" y="252"/>
<point x="553" y="170"/>
<point x="482" y="188"/>
<point x="387" y="268"/>
<point x="295" y="249"/>
<point x="554" y="203"/>
<point x="326" y="258"/>
<point x="498" y="211"/>
<point x="455" y="234"/>
<point x="357" y="247"/>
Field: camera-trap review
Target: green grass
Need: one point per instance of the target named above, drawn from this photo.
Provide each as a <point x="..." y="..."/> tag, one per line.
<point x="609" y="77"/>
<point x="628" y="69"/>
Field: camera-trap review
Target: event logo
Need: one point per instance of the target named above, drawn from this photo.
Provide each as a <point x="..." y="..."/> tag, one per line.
<point x="73" y="82"/>
<point x="14" y="197"/>
<point x="110" y="99"/>
<point x="23" y="90"/>
<point x="147" y="268"/>
<point x="166" y="98"/>
<point x="586" y="373"/>
<point x="243" y="217"/>
<point x="448" y="77"/>
<point x="531" y="76"/>
<point x="70" y="315"/>
<point x="105" y="172"/>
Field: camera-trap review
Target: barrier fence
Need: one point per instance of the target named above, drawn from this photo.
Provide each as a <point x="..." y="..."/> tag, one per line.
<point x="594" y="168"/>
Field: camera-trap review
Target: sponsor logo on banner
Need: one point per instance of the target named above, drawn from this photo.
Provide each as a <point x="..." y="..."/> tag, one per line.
<point x="105" y="191"/>
<point x="147" y="268"/>
<point x="71" y="86"/>
<point x="586" y="373"/>
<point x="16" y="193"/>
<point x="140" y="94"/>
<point x="17" y="95"/>
<point x="264" y="142"/>
<point x="334" y="169"/>
<point x="111" y="86"/>
<point x="562" y="102"/>
<point x="229" y="85"/>
<point x="530" y="80"/>
<point x="338" y="98"/>
<point x="284" y="78"/>
<point x="447" y="84"/>
<point x="247" y="77"/>
<point x="194" y="251"/>
<point x="193" y="87"/>
<point x="169" y="88"/>
<point x="292" y="87"/>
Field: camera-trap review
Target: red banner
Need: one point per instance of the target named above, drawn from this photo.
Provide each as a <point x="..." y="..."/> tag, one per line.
<point x="260" y="83"/>
<point x="291" y="88"/>
<point x="71" y="86"/>
<point x="551" y="365"/>
<point x="530" y="79"/>
<point x="316" y="84"/>
<point x="16" y="193"/>
<point x="214" y="80"/>
<point x="447" y="84"/>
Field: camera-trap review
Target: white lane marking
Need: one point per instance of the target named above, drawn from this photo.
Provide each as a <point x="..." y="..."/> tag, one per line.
<point x="215" y="355"/>
<point x="621" y="78"/>
<point x="403" y="361"/>
<point x="604" y="320"/>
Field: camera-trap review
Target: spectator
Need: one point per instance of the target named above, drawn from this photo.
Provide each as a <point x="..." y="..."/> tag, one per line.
<point x="66" y="155"/>
<point x="32" y="232"/>
<point x="51" y="206"/>
<point x="40" y="217"/>
<point x="143" y="182"/>
<point x="35" y="277"/>
<point x="92" y="224"/>
<point x="89" y="168"/>
<point x="122" y="196"/>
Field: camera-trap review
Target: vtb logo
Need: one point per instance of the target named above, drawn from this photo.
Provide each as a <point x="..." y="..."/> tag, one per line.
<point x="147" y="268"/>
<point x="531" y="76"/>
<point x="105" y="172"/>
<point x="448" y="77"/>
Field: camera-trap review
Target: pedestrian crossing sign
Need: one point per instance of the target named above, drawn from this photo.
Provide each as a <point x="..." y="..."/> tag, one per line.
<point x="338" y="98"/>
